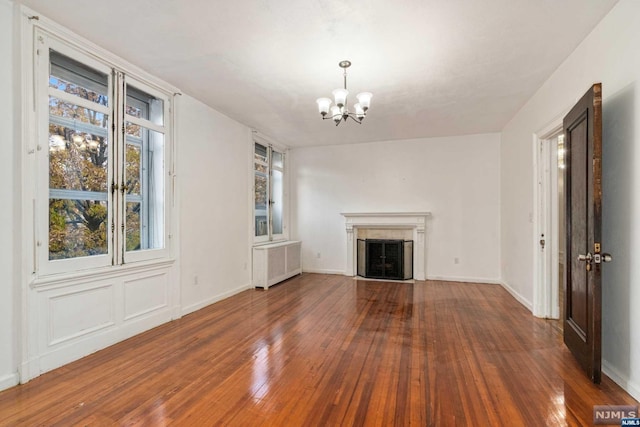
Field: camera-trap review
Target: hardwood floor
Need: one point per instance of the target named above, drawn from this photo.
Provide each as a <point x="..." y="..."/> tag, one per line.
<point x="328" y="350"/>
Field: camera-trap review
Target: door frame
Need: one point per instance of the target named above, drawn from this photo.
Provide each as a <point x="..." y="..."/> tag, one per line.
<point x="546" y="282"/>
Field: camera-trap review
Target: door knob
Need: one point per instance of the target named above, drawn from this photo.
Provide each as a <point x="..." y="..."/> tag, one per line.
<point x="588" y="257"/>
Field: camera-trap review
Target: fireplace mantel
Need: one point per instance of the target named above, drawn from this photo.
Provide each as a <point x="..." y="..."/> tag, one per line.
<point x="415" y="221"/>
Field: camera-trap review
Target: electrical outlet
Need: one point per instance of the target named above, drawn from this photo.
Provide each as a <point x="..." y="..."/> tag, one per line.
<point x="456" y="260"/>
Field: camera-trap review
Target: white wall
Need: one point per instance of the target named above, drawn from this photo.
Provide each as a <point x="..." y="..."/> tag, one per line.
<point x="214" y="154"/>
<point x="456" y="179"/>
<point x="611" y="55"/>
<point x="8" y="364"/>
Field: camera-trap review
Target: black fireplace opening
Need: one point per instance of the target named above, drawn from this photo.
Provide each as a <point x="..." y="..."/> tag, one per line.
<point x="385" y="259"/>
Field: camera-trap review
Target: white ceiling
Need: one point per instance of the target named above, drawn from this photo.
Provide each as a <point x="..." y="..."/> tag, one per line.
<point x="435" y="67"/>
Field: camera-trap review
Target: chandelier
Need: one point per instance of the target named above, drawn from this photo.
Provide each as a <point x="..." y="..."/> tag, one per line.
<point x="340" y="112"/>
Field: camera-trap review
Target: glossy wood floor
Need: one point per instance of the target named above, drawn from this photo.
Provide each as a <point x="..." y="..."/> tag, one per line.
<point x="323" y="350"/>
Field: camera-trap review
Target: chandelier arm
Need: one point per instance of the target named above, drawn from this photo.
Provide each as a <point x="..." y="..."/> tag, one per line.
<point x="351" y="115"/>
<point x="355" y="119"/>
<point x="331" y="118"/>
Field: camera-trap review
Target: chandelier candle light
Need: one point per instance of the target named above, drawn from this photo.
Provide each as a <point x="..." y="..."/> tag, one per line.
<point x="340" y="112"/>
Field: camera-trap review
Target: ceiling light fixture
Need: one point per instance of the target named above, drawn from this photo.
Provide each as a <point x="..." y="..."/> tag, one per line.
<point x="340" y="112"/>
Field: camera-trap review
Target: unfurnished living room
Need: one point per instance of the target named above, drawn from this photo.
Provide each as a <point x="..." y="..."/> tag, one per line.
<point x="319" y="212"/>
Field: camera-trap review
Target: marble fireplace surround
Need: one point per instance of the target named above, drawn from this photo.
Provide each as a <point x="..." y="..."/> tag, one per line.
<point x="414" y="221"/>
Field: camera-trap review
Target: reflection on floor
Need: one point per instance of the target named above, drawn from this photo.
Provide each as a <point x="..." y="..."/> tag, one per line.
<point x="328" y="350"/>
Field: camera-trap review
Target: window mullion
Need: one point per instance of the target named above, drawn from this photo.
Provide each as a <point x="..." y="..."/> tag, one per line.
<point x="270" y="195"/>
<point x="118" y="169"/>
<point x="145" y="184"/>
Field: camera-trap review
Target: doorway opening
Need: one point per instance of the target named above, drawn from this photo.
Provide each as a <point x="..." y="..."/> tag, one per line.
<point x="549" y="227"/>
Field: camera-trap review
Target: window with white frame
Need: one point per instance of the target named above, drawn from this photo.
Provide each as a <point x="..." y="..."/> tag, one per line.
<point x="268" y="190"/>
<point x="103" y="192"/>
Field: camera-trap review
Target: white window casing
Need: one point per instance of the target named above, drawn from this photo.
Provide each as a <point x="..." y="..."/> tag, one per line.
<point x="269" y="191"/>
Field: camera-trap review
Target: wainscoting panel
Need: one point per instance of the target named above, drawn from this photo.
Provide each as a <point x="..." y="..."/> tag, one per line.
<point x="76" y="317"/>
<point x="145" y="294"/>
<point x="80" y="312"/>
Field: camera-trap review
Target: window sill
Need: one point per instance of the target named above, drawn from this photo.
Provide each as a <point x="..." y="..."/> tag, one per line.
<point x="68" y="279"/>
<point x="273" y="242"/>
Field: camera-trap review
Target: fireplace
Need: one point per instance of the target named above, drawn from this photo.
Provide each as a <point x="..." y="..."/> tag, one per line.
<point x="385" y="259"/>
<point x="413" y="223"/>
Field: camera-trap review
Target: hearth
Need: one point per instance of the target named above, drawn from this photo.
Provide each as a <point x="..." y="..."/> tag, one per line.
<point x="385" y="259"/>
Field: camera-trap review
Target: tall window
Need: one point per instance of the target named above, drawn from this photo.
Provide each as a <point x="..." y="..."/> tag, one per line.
<point x="105" y="164"/>
<point x="268" y="191"/>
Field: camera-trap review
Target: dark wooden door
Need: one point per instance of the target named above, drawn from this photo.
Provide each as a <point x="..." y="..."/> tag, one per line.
<point x="583" y="301"/>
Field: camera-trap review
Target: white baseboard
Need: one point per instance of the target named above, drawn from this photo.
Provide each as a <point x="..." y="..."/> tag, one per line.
<point x="202" y="304"/>
<point x="522" y="300"/>
<point x="28" y="370"/>
<point x="622" y="380"/>
<point x="465" y="279"/>
<point x="9" y="381"/>
<point x="442" y="278"/>
<point x="322" y="271"/>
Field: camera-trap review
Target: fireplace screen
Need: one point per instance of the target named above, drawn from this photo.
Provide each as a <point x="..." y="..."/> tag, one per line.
<point x="385" y="259"/>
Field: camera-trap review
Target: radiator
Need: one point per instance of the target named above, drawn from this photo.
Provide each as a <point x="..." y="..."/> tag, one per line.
<point x="275" y="262"/>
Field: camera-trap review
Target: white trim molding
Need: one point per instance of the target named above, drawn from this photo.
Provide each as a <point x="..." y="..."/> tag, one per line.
<point x="522" y="300"/>
<point x="545" y="217"/>
<point x="323" y="271"/>
<point x="9" y="381"/>
<point x="214" y="299"/>
<point x="621" y="379"/>
<point x="414" y="221"/>
<point x="474" y="280"/>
